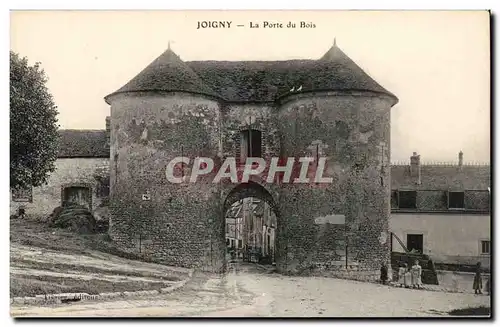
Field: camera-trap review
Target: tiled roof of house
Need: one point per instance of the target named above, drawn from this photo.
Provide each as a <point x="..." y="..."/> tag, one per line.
<point x="442" y="177"/>
<point x="253" y="81"/>
<point x="76" y="143"/>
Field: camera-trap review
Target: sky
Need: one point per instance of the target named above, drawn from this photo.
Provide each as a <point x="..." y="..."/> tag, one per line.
<point x="436" y="63"/>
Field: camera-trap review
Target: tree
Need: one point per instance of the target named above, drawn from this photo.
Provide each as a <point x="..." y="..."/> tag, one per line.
<point x="33" y="125"/>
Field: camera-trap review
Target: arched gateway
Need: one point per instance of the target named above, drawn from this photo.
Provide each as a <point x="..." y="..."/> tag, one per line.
<point x="326" y="109"/>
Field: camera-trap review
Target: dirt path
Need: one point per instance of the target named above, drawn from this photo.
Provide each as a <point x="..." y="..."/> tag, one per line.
<point x="83" y="276"/>
<point x="92" y="259"/>
<point x="39" y="271"/>
<point x="244" y="292"/>
<point x="200" y="295"/>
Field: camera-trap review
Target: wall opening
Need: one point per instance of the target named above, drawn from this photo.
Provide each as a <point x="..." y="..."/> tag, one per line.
<point x="251" y="231"/>
<point x="250" y="144"/>
<point x="251" y="219"/>
<point x="77" y="195"/>
<point x="415" y="242"/>
<point x="456" y="200"/>
<point x="407" y="200"/>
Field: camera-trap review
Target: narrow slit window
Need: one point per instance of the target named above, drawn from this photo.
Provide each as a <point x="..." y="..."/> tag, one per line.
<point x="250" y="144"/>
<point x="485" y="247"/>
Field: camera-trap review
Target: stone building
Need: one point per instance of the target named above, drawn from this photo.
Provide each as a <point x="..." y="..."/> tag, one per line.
<point x="80" y="176"/>
<point x="442" y="210"/>
<point x="251" y="223"/>
<point x="327" y="107"/>
<point x="234" y="225"/>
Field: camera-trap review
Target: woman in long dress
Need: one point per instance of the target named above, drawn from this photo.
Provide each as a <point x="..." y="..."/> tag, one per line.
<point x="478" y="281"/>
<point x="404" y="276"/>
<point x="416" y="275"/>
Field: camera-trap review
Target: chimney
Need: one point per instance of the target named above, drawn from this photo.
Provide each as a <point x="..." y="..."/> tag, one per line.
<point x="108" y="131"/>
<point x="460" y="158"/>
<point x="415" y="166"/>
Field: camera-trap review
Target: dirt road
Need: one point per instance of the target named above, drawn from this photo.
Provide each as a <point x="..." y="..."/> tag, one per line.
<point x="245" y="291"/>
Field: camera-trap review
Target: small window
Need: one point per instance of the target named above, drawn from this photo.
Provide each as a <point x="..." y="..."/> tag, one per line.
<point x="227" y="241"/>
<point x="251" y="144"/>
<point x="240" y="244"/>
<point x="227" y="228"/>
<point x="485" y="247"/>
<point x="456" y="200"/>
<point x="407" y="199"/>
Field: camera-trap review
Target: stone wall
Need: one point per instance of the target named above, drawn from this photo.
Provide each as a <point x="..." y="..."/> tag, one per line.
<point x="355" y="129"/>
<point x="68" y="172"/>
<point x="183" y="224"/>
<point x="177" y="224"/>
<point x="234" y="121"/>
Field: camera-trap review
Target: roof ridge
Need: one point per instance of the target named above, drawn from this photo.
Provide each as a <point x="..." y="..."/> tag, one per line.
<point x="249" y="61"/>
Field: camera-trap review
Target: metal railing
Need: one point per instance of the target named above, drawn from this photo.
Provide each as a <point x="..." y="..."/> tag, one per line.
<point x="443" y="163"/>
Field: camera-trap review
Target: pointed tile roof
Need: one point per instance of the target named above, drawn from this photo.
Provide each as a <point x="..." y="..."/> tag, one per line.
<point x="336" y="70"/>
<point x="166" y="73"/>
<point x="254" y="81"/>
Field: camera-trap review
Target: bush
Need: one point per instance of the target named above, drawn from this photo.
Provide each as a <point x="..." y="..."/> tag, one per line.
<point x="472" y="311"/>
<point x="73" y="217"/>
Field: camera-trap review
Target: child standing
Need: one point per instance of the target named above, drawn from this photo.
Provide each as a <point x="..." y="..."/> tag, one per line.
<point x="404" y="275"/>
<point x="401" y="275"/>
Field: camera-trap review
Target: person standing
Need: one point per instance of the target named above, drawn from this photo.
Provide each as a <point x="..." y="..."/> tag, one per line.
<point x="404" y="275"/>
<point x="401" y="275"/>
<point x="407" y="278"/>
<point x="478" y="281"/>
<point x="383" y="273"/>
<point x="416" y="275"/>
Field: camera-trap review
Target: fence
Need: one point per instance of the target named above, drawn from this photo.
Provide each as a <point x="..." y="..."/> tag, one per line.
<point x="442" y="163"/>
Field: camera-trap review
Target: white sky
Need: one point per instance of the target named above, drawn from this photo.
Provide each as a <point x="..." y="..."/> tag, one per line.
<point x="437" y="63"/>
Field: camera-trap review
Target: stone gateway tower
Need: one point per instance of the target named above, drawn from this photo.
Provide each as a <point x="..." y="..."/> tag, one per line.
<point x="327" y="107"/>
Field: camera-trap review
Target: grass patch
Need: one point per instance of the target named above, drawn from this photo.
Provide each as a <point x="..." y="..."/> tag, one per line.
<point x="38" y="234"/>
<point x="62" y="267"/>
<point x="40" y="285"/>
<point x="472" y="311"/>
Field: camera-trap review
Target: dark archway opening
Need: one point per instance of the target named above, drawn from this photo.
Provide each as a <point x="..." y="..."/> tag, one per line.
<point x="251" y="218"/>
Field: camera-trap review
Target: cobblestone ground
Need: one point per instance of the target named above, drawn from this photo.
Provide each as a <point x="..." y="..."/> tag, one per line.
<point x="248" y="291"/>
